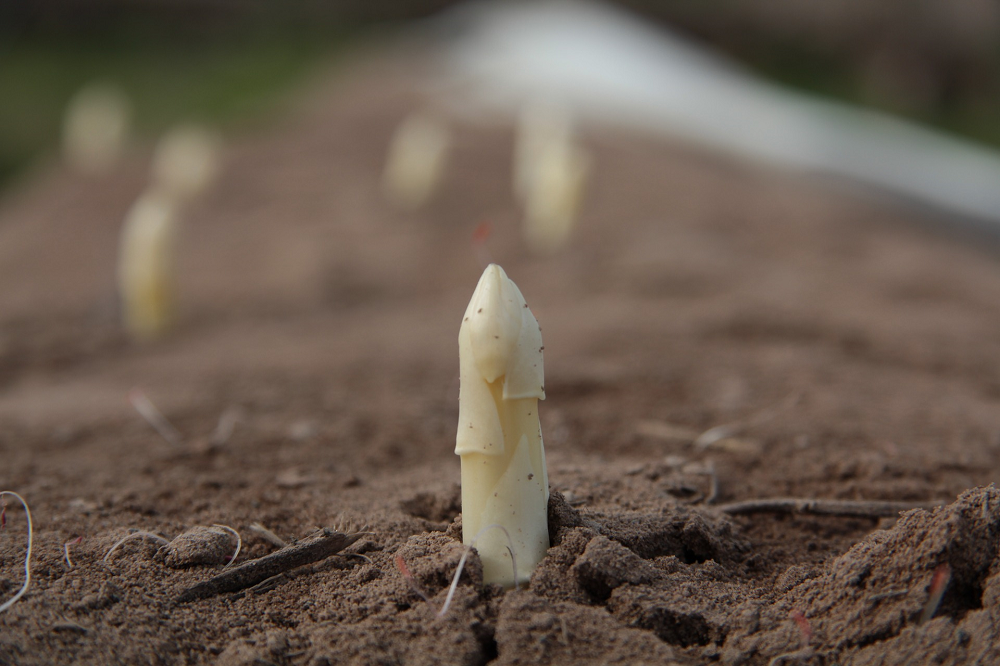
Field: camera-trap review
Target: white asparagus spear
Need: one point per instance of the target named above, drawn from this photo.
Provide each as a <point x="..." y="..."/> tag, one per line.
<point x="539" y="124"/>
<point x="550" y="173"/>
<point x="146" y="266"/>
<point x="504" y="480"/>
<point x="554" y="195"/>
<point x="416" y="161"/>
<point x="186" y="162"/>
<point x="96" y="128"/>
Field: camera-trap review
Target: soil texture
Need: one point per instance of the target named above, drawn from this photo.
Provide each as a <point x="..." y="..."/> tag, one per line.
<point x="714" y="333"/>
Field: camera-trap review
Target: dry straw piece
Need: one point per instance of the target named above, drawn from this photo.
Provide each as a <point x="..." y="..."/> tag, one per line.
<point x="254" y="572"/>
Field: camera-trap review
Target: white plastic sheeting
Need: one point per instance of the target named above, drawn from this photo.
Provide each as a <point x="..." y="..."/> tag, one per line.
<point x="609" y="66"/>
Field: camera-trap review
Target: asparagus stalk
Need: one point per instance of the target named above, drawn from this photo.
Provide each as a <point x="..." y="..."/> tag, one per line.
<point x="95" y="128"/>
<point x="550" y="175"/>
<point x="186" y="162"/>
<point x="416" y="161"/>
<point x="146" y="267"/>
<point x="504" y="480"/>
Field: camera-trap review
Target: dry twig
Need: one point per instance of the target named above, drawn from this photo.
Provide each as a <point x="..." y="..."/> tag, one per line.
<point x="822" y="507"/>
<point x="248" y="574"/>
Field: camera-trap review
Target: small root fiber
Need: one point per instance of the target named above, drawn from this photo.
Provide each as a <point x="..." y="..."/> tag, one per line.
<point x="27" y="554"/>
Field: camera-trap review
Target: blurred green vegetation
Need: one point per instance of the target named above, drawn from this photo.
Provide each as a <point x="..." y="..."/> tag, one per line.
<point x="221" y="82"/>
<point x="936" y="62"/>
<point x="972" y="112"/>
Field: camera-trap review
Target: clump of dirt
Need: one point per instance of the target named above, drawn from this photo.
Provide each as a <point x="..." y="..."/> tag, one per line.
<point x="874" y="601"/>
<point x="432" y="559"/>
<point x="869" y="603"/>
<point x="409" y="626"/>
<point x="199" y="545"/>
<point x="675" y="573"/>
<point x="535" y="630"/>
<point x="605" y="565"/>
<point x="434" y="508"/>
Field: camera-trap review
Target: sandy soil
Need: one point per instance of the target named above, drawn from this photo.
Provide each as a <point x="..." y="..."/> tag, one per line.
<point x="852" y="350"/>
